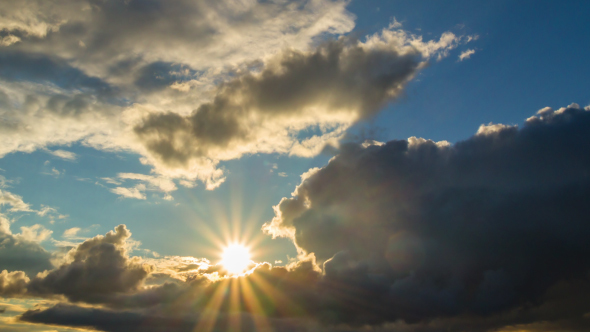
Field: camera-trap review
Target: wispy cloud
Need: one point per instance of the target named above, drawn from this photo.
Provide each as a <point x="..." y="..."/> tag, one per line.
<point x="135" y="192"/>
<point x="63" y="154"/>
<point x="466" y="54"/>
<point x="71" y="232"/>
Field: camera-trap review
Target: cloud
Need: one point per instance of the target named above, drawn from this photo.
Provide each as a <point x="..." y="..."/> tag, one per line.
<point x="71" y="232"/>
<point x="136" y="192"/>
<point x="135" y="321"/>
<point x="15" y="201"/>
<point x="19" y="253"/>
<point x="68" y="72"/>
<point x="64" y="154"/>
<point x="95" y="269"/>
<point x="416" y="230"/>
<point x="466" y="54"/>
<point x="192" y="300"/>
<point x="35" y="233"/>
<point x="416" y="236"/>
<point x="327" y="89"/>
<point x="201" y="30"/>
<point x="75" y="76"/>
<point x="160" y="183"/>
<point x="13" y="283"/>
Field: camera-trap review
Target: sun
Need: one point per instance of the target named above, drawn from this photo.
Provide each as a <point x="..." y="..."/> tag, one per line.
<point x="235" y="258"/>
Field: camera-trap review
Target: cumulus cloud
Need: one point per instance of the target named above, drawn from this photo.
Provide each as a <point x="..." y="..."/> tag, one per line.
<point x="421" y="230"/>
<point x="94" y="270"/>
<point x="21" y="251"/>
<point x="13" y="283"/>
<point x="35" y="233"/>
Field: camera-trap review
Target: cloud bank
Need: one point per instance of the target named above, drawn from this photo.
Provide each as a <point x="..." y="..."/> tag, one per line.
<point x="481" y="227"/>
<point x="487" y="234"/>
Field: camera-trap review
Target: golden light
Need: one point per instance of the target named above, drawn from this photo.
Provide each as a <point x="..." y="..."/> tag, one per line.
<point x="235" y="258"/>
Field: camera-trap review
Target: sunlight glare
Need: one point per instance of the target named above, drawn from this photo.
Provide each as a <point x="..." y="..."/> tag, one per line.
<point x="236" y="258"/>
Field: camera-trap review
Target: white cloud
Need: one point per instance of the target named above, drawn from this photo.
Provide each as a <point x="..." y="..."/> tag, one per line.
<point x="162" y="183"/>
<point x="466" y="54"/>
<point x="63" y="154"/>
<point x="129" y="192"/>
<point x="395" y="24"/>
<point x="111" y="181"/>
<point x="71" y="232"/>
<point x="54" y="172"/>
<point x="146" y="183"/>
<point x="35" y="233"/>
<point x="46" y="210"/>
<point x="15" y="201"/>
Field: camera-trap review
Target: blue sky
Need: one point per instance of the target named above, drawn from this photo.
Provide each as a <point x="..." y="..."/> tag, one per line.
<point x="95" y="137"/>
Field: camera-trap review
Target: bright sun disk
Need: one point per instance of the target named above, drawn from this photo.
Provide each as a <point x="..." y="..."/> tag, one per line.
<point x="236" y="258"/>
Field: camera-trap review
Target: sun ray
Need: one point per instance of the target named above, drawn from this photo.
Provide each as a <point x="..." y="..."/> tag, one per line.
<point x="210" y="313"/>
<point x="280" y="301"/>
<point x="253" y="306"/>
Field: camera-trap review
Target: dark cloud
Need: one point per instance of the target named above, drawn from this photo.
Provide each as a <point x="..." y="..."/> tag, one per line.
<point x="17" y="254"/>
<point x="294" y="300"/>
<point x="199" y="303"/>
<point x="339" y="82"/>
<point x="146" y="321"/>
<point x="160" y="75"/>
<point x="98" y="269"/>
<point x="415" y="230"/>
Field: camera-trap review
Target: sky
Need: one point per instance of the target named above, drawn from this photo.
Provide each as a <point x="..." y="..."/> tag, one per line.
<point x="380" y="165"/>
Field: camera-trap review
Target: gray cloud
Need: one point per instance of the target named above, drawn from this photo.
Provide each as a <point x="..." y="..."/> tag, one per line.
<point x="338" y="83"/>
<point x="416" y="230"/>
<point x="300" y="299"/>
<point x="18" y="254"/>
<point x="149" y="310"/>
<point x="96" y="269"/>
